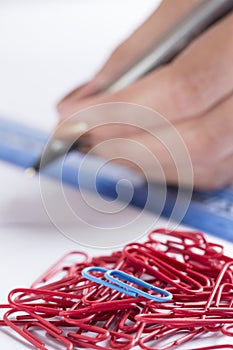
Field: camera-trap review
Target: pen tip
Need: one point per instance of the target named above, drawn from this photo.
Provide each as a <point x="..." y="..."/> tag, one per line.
<point x="30" y="172"/>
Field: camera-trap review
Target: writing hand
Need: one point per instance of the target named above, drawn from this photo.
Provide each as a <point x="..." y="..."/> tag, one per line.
<point x="194" y="92"/>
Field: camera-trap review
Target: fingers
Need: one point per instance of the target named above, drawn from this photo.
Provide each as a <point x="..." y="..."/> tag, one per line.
<point x="194" y="92"/>
<point x="209" y="142"/>
<point x="152" y="91"/>
<point x="203" y="72"/>
<point x="196" y="81"/>
<point x="216" y="176"/>
<point x="83" y="91"/>
<point x="115" y="120"/>
<point x="164" y="152"/>
<point x="209" y="138"/>
<point x="144" y="37"/>
<point x="127" y="53"/>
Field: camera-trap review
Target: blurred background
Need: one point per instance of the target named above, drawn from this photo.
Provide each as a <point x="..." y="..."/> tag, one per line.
<point x="48" y="47"/>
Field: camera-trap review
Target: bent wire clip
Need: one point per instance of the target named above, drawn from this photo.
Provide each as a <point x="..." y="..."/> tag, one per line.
<point x="115" y="283"/>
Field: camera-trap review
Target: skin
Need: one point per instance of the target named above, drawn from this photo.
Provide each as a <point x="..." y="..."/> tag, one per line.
<point x="194" y="92"/>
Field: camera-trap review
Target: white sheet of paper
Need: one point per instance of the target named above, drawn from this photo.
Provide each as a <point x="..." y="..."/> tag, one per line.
<point x="47" y="48"/>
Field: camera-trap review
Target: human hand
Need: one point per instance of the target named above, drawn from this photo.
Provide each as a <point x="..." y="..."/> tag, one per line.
<point x="194" y="92"/>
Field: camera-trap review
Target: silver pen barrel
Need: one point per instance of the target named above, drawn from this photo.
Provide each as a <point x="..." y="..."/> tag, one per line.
<point x="175" y="40"/>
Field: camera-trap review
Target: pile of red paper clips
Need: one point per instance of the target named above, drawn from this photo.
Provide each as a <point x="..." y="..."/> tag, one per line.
<point x="192" y="277"/>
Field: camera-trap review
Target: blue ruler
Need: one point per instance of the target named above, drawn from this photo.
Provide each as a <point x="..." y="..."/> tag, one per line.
<point x="211" y="212"/>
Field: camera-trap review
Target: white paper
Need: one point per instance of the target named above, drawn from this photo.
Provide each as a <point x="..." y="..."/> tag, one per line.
<point x="47" y="48"/>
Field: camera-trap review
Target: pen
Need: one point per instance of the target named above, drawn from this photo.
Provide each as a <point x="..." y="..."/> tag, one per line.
<point x="197" y="20"/>
<point x="60" y="144"/>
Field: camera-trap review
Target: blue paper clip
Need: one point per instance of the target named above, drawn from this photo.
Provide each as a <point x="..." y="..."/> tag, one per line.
<point x="124" y="287"/>
<point x="86" y="274"/>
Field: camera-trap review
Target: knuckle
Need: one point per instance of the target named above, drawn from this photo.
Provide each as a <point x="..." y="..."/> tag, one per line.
<point x="203" y="143"/>
<point x="187" y="91"/>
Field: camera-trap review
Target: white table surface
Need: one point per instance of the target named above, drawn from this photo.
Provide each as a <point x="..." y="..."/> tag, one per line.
<point x="47" y="48"/>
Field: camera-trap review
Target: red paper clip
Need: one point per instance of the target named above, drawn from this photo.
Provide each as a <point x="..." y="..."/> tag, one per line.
<point x="79" y="313"/>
